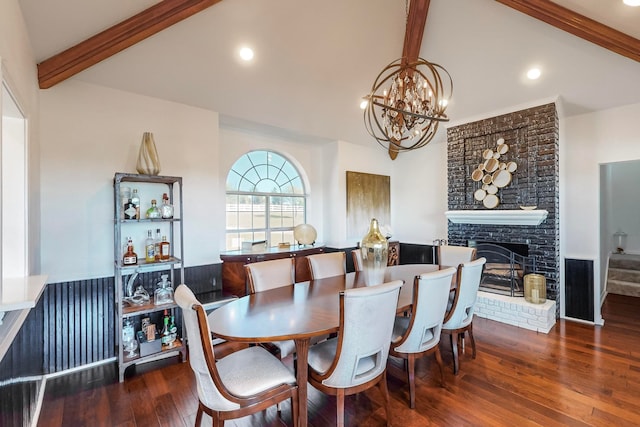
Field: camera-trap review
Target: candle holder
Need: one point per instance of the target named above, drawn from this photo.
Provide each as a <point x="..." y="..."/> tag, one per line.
<point x="535" y="288"/>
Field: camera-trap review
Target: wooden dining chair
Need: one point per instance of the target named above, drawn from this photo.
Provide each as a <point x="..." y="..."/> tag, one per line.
<point x="459" y="319"/>
<point x="272" y="274"/>
<point x="327" y="264"/>
<point x="357" y="259"/>
<point x="357" y="358"/>
<point x="225" y="390"/>
<point x="419" y="334"/>
<point x="453" y="256"/>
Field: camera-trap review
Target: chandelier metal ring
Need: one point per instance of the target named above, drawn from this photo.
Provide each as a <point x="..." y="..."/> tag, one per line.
<point x="406" y="103"/>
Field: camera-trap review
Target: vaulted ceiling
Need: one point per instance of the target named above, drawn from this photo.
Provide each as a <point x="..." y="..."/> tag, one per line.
<point x="314" y="60"/>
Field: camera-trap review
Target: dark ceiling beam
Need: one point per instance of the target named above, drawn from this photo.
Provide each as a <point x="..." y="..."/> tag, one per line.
<point x="578" y="25"/>
<point x="117" y="38"/>
<point x="416" y="20"/>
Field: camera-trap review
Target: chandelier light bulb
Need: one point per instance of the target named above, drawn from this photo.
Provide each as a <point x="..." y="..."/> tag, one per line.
<point x="363" y="104"/>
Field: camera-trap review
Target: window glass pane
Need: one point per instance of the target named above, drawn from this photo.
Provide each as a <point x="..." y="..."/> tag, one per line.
<point x="246" y="186"/>
<point x="262" y="171"/>
<point x="289" y="170"/>
<point x="287" y="212"/>
<point x="258" y="157"/>
<point x="298" y="187"/>
<point x="267" y="186"/>
<point x="259" y="209"/>
<point x="232" y="220"/>
<point x="245" y="220"/>
<point x="277" y="160"/>
<point x="275" y="212"/>
<point x="273" y="173"/>
<point x="252" y="176"/>
<point x="233" y="181"/>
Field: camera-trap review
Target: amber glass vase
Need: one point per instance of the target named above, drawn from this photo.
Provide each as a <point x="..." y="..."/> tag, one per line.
<point x="374" y="249"/>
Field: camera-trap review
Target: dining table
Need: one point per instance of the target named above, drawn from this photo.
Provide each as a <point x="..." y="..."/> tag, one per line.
<point x="300" y="312"/>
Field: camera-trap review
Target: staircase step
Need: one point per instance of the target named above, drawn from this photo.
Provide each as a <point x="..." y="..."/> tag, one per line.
<point x="624" y="275"/>
<point x="621" y="287"/>
<point x="627" y="262"/>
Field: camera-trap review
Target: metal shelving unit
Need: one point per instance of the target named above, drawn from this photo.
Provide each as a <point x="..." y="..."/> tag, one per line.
<point x="124" y="310"/>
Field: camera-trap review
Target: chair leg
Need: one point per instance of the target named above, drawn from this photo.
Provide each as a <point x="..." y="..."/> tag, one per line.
<point x="454" y="349"/>
<point x="385" y="396"/>
<point x="340" y="408"/>
<point x="440" y="364"/>
<point x="473" y="341"/>
<point x="294" y="409"/>
<point x="199" y="415"/>
<point x="411" y="369"/>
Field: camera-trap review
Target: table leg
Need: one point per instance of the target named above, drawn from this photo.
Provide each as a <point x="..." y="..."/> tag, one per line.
<point x="302" y="354"/>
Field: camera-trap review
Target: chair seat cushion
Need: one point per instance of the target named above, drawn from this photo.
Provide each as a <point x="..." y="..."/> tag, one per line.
<point x="285" y="347"/>
<point x="251" y="371"/>
<point x="400" y="326"/>
<point x="321" y="357"/>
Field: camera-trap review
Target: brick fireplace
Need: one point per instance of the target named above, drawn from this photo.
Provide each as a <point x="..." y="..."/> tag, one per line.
<point x="532" y="137"/>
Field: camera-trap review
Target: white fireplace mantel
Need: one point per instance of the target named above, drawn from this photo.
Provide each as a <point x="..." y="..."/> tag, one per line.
<point x="497" y="217"/>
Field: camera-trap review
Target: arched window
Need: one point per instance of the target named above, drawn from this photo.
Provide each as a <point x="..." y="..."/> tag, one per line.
<point x="266" y="198"/>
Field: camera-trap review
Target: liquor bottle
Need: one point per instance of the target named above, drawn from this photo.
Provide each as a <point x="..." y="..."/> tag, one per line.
<point x="149" y="248"/>
<point x="135" y="199"/>
<point x="130" y="257"/>
<point x="156" y="245"/>
<point x="153" y="211"/>
<point x="173" y="329"/>
<point x="165" y="335"/>
<point x="165" y="249"/>
<point x="167" y="208"/>
<point x="129" y="210"/>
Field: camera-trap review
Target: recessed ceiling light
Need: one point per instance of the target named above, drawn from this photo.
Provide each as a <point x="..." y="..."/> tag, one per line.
<point x="246" y="53"/>
<point x="533" y="73"/>
<point x="631" y="2"/>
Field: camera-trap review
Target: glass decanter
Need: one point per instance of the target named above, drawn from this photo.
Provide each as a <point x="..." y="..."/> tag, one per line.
<point x="164" y="291"/>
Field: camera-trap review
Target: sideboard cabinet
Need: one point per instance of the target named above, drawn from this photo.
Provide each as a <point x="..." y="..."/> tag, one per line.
<point x="234" y="278"/>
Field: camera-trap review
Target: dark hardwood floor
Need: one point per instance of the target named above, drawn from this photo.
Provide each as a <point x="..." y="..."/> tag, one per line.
<point x="577" y="375"/>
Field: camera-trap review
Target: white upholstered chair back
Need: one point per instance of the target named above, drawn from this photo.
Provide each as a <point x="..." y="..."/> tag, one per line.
<point x="430" y="298"/>
<point x="367" y="316"/>
<point x="266" y="275"/>
<point x="453" y="256"/>
<point x="357" y="259"/>
<point x="207" y="391"/>
<point x="327" y="264"/>
<point x="469" y="275"/>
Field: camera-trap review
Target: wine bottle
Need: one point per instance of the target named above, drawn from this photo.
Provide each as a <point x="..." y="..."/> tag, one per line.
<point x="149" y="248"/>
<point x="173" y="329"/>
<point x="165" y="337"/>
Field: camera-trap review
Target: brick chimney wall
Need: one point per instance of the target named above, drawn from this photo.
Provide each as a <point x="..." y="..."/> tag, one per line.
<point x="532" y="137"/>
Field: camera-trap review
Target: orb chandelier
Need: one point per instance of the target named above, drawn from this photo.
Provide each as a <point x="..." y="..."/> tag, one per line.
<point x="407" y="102"/>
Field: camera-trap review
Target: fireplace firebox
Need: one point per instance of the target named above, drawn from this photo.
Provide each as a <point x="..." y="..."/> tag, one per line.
<point x="506" y="266"/>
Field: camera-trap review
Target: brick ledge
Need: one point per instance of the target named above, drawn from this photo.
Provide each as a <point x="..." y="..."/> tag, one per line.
<point x="516" y="311"/>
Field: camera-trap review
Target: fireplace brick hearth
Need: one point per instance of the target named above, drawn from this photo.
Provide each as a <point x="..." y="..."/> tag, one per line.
<point x="532" y="136"/>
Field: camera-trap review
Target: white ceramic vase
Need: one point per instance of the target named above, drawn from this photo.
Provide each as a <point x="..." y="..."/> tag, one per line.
<point x="148" y="160"/>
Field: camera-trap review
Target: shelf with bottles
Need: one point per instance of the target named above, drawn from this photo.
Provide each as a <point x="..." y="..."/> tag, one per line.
<point x="135" y="332"/>
<point x="142" y="265"/>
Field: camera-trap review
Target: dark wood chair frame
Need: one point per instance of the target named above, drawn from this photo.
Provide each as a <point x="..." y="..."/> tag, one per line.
<point x="248" y="405"/>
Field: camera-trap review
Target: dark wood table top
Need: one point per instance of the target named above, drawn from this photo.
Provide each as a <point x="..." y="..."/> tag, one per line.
<point x="303" y="310"/>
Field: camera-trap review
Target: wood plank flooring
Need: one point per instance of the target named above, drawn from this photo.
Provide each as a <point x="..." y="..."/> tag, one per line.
<point x="577" y="375"/>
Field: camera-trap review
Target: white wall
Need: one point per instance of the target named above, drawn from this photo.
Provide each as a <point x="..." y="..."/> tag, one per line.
<point x="588" y="141"/>
<point x="19" y="70"/>
<point x="91" y="132"/>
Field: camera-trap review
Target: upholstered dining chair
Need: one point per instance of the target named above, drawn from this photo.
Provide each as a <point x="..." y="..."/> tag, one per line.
<point x="327" y="264"/>
<point x="272" y="274"/>
<point x="357" y="259"/>
<point x="419" y="334"/>
<point x="225" y="389"/>
<point x="357" y="358"/>
<point x="453" y="256"/>
<point x="459" y="319"/>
